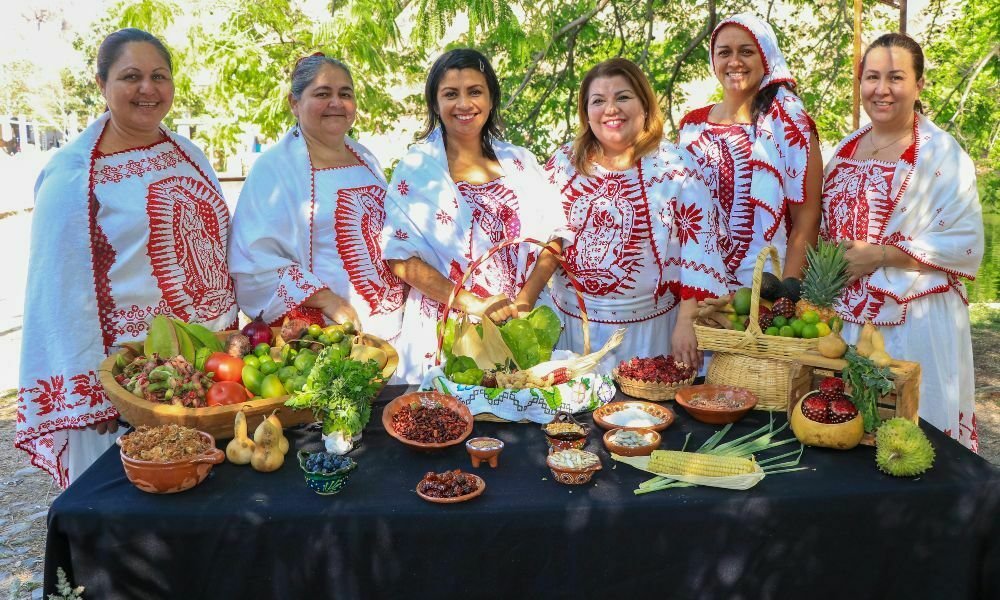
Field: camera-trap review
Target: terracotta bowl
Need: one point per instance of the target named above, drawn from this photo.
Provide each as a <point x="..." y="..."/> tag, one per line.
<point x="172" y="476"/>
<point x="644" y="450"/>
<point x="326" y="484"/>
<point x="480" y="488"/>
<point x="716" y="416"/>
<point x="488" y="453"/>
<point x="428" y="399"/>
<point x="664" y="414"/>
<point x="569" y="440"/>
<point x="571" y="476"/>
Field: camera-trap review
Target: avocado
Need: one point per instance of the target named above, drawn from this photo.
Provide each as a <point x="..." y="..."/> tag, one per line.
<point x="792" y="288"/>
<point x="770" y="287"/>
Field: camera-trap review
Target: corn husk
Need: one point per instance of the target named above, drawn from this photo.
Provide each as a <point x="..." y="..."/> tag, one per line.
<point x="488" y="351"/>
<point x="729" y="482"/>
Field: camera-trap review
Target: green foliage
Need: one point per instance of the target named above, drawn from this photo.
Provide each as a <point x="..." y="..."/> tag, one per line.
<point x="340" y="392"/>
<point x="65" y="589"/>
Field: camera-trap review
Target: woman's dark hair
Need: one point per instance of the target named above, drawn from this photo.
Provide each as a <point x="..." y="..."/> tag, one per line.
<point x="899" y="40"/>
<point x="113" y="45"/>
<point x="763" y="98"/>
<point x="307" y="68"/>
<point x="464" y="58"/>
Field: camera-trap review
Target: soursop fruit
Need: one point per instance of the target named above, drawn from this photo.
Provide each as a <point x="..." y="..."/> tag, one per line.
<point x="902" y="449"/>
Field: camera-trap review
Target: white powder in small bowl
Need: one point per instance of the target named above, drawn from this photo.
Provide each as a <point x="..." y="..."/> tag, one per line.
<point x="632" y="417"/>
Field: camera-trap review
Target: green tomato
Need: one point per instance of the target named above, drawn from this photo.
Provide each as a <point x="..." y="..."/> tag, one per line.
<point x="286" y="373"/>
<point x="288" y="353"/>
<point x="251" y="360"/>
<point x="315" y="330"/>
<point x="324" y="339"/>
<point x="271" y="387"/>
<point x="335" y="333"/>
<point x="348" y="328"/>
<point x="294" y="384"/>
<point x="304" y="362"/>
<point x="268" y="366"/>
<point x="262" y="349"/>
<point x="252" y="378"/>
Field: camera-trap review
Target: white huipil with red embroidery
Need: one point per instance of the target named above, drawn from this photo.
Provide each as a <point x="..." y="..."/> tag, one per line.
<point x="644" y="239"/>
<point x="116" y="240"/>
<point x="448" y="225"/>
<point x="298" y="230"/>
<point x="754" y="170"/>
<point x="926" y="204"/>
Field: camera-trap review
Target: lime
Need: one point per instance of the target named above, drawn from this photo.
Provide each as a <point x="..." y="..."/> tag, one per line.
<point x="286" y="373"/>
<point x="772" y="330"/>
<point x="271" y="387"/>
<point x="324" y="339"/>
<point x="733" y="317"/>
<point x="295" y="383"/>
<point x="809" y="331"/>
<point x="251" y="360"/>
<point x="348" y="328"/>
<point x="261" y="349"/>
<point x="251" y="378"/>
<point x="741" y="301"/>
<point x="268" y="366"/>
<point x="739" y="325"/>
<point x="811" y="317"/>
<point x="779" y="321"/>
<point x="822" y="329"/>
<point x="787" y="331"/>
<point x="314" y="330"/>
<point x="797" y="325"/>
<point x="304" y="362"/>
<point x="836" y="324"/>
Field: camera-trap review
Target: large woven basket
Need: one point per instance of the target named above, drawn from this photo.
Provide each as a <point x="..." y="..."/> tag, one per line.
<point x="585" y="323"/>
<point x="770" y="379"/>
<point x="215" y="420"/>
<point x="753" y="341"/>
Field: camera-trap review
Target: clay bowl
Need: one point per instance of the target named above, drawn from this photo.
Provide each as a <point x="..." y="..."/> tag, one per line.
<point x="664" y="414"/>
<point x="428" y="399"/>
<point x="480" y="488"/>
<point x="484" y="449"/>
<point x="172" y="476"/>
<point x="644" y="450"/>
<point x="325" y="484"/>
<point x="569" y="439"/>
<point x="571" y="476"/>
<point x="713" y="415"/>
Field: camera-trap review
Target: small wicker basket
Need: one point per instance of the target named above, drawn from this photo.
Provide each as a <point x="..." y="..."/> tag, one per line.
<point x="753" y="341"/>
<point x="650" y="390"/>
<point x="585" y="323"/>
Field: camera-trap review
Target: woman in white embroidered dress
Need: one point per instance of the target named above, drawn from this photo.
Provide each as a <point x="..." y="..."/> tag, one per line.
<point x="457" y="193"/>
<point x="307" y="225"/>
<point x="902" y="195"/>
<point x="642" y="219"/>
<point x="758" y="151"/>
<point x="129" y="223"/>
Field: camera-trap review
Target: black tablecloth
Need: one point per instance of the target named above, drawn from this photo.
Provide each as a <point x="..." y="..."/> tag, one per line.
<point x="838" y="530"/>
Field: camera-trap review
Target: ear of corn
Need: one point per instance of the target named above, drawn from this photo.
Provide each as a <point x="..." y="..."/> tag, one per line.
<point x="672" y="462"/>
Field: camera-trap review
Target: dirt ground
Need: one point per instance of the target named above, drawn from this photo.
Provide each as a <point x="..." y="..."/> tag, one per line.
<point x="26" y="493"/>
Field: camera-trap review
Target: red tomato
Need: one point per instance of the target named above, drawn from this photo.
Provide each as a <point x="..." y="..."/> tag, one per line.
<point x="225" y="367"/>
<point x="226" y="392"/>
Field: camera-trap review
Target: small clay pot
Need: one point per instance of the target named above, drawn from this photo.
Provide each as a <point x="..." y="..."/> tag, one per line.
<point x="172" y="476"/>
<point x="490" y="454"/>
<point x="567" y="440"/>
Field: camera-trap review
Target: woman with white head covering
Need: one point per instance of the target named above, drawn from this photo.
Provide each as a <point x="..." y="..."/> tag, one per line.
<point x="758" y="151"/>
<point x="901" y="194"/>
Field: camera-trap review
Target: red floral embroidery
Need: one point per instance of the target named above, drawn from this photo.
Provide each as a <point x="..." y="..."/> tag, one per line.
<point x="401" y="235"/>
<point x="494" y="208"/>
<point x="443" y="217"/>
<point x="137" y="168"/>
<point x="50" y="395"/>
<point x="89" y="388"/>
<point x="402" y="187"/>
<point x="134" y="321"/>
<point x="518" y="164"/>
<point x="688" y="223"/>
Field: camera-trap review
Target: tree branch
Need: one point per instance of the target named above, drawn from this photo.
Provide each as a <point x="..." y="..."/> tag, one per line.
<point x="675" y="72"/>
<point x="574" y="25"/>
<point x="621" y="30"/>
<point x="644" y="57"/>
<point x="968" y="86"/>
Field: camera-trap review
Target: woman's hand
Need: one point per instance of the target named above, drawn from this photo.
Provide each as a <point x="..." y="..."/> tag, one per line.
<point x="335" y="307"/>
<point x="862" y="258"/>
<point x="684" y="343"/>
<point x="497" y="308"/>
<point x="105" y="427"/>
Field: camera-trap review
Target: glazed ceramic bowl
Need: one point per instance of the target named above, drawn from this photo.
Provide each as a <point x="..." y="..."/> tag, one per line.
<point x="652" y="436"/>
<point x="172" y="476"/>
<point x="571" y="476"/>
<point x="605" y="417"/>
<point x="428" y="399"/>
<point x="716" y="415"/>
<point x="566" y="440"/>
<point x="326" y="484"/>
<point x="480" y="488"/>
<point x="484" y="449"/>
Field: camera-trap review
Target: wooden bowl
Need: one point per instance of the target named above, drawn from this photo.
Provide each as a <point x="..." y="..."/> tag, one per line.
<point x="215" y="420"/>
<point x="480" y="488"/>
<point x="664" y="414"/>
<point x="172" y="476"/>
<point x="644" y="450"/>
<point x="571" y="476"/>
<point x="428" y="399"/>
<point x="716" y="416"/>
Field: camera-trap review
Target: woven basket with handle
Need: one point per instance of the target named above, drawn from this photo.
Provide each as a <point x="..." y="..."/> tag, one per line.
<point x="585" y="323"/>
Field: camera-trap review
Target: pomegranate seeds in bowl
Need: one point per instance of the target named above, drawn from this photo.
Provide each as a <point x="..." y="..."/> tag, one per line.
<point x="659" y="369"/>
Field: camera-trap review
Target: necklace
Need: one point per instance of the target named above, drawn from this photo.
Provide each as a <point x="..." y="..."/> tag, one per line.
<point x="877" y="149"/>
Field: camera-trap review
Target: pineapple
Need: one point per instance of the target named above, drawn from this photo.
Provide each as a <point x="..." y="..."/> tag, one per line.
<point x="825" y="276"/>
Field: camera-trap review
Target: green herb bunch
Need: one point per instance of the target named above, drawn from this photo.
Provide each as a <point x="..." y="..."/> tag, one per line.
<point x="340" y="392"/>
<point x="868" y="383"/>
